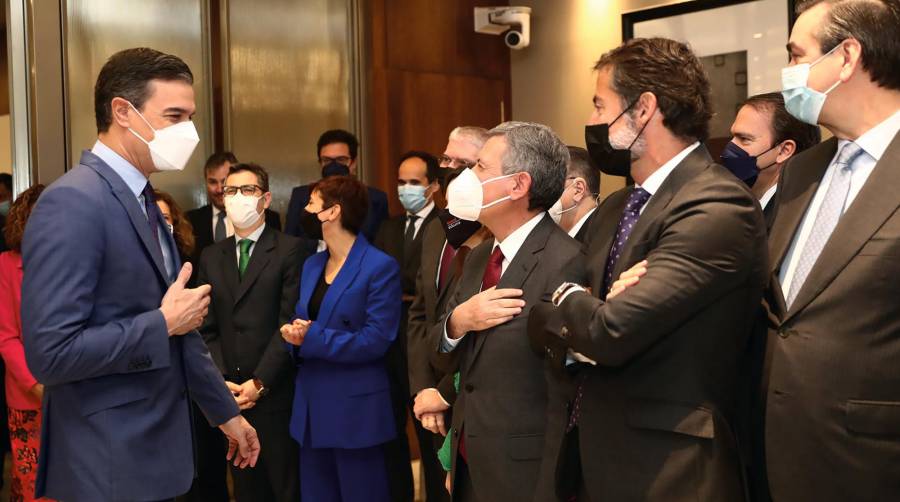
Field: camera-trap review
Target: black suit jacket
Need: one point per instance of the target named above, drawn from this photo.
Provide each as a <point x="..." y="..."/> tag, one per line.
<point x="584" y="231"/>
<point x="832" y="427"/>
<point x="378" y="212"/>
<point x="390" y="239"/>
<point x="201" y="220"/>
<point x="502" y="406"/>
<point x="427" y="368"/>
<point x="658" y="413"/>
<point x="242" y="329"/>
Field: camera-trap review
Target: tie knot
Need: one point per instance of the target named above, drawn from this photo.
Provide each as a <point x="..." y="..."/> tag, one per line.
<point x="412" y="218"/>
<point x="848" y="154"/>
<point x="148" y="193"/>
<point x="636" y="199"/>
<point x="245" y="245"/>
<point x="221" y="216"/>
<point x="497" y="256"/>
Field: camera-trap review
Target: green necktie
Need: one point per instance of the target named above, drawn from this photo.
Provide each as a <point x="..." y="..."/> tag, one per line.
<point x="245" y="255"/>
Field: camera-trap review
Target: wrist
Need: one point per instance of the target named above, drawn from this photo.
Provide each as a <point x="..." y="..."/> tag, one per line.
<point x="454" y="329"/>
<point x="563" y="291"/>
<point x="261" y="389"/>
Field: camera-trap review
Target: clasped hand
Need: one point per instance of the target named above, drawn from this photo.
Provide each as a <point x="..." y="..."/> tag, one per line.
<point x="295" y="332"/>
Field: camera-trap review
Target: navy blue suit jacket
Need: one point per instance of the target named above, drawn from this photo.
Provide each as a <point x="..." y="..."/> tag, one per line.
<point x="378" y="212"/>
<point x="342" y="393"/>
<point x="116" y="405"/>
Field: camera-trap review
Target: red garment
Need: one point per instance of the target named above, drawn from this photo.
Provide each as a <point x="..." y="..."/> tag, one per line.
<point x="19" y="379"/>
<point x="25" y="439"/>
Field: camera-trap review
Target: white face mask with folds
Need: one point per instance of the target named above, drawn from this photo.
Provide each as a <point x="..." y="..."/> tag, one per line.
<point x="172" y="146"/>
<point x="241" y="210"/>
<point x="465" y="195"/>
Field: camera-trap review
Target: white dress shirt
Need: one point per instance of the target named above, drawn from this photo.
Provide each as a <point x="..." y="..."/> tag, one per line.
<point x="873" y="143"/>
<point x="420" y="217"/>
<point x="229" y="228"/>
<point x="509" y="247"/>
<point x="580" y="223"/>
<point x="253" y="237"/>
<point x="767" y="197"/>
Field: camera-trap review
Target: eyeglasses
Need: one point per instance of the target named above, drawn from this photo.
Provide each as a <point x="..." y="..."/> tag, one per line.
<point x="447" y="161"/>
<point x="343" y="159"/>
<point x="248" y="190"/>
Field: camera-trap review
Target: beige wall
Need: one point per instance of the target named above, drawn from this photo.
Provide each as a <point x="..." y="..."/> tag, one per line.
<point x="552" y="81"/>
<point x="5" y="148"/>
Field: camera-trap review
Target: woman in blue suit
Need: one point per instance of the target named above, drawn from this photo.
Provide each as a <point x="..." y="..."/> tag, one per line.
<point x="346" y="318"/>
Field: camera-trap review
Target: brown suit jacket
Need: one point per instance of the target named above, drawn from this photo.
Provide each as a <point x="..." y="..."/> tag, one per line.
<point x="426" y="368"/>
<point x="659" y="409"/>
<point x="833" y="391"/>
<point x="503" y="392"/>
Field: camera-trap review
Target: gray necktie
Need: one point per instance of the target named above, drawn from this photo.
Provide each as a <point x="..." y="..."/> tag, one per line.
<point x="219" y="234"/>
<point x="829" y="213"/>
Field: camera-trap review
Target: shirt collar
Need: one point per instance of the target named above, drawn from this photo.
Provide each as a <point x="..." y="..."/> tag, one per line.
<point x="253" y="237"/>
<point x="655" y="180"/>
<point x="580" y="223"/>
<point x="425" y="211"/>
<point x="876" y="140"/>
<point x="511" y="244"/>
<point x="767" y="197"/>
<point x="133" y="178"/>
<point x="215" y="210"/>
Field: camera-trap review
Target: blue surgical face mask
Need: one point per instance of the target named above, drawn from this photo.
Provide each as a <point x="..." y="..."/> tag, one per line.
<point x="412" y="197"/>
<point x="742" y="164"/>
<point x="802" y="102"/>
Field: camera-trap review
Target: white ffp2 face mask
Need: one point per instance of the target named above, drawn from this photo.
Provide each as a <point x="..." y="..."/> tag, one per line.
<point x="241" y="210"/>
<point x="465" y="195"/>
<point x="172" y="146"/>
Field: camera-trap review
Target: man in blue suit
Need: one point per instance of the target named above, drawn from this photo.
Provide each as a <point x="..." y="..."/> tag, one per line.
<point x="108" y="325"/>
<point x="337" y="150"/>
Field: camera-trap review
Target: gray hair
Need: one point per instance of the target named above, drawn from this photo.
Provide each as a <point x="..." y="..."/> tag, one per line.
<point x="537" y="150"/>
<point x="476" y="136"/>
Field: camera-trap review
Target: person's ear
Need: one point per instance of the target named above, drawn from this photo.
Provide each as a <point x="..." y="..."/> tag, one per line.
<point x="786" y="151"/>
<point x="851" y="57"/>
<point x="267" y="200"/>
<point x="579" y="190"/>
<point x="521" y="187"/>
<point x="120" y="112"/>
<point x="645" y="107"/>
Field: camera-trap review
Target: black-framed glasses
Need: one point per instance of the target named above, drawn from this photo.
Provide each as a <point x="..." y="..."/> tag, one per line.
<point x="343" y="160"/>
<point x="447" y="161"/>
<point x="248" y="190"/>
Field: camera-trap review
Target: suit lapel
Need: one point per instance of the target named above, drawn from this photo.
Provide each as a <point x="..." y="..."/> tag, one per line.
<point x="344" y="278"/>
<point x="521" y="266"/>
<point x="229" y="264"/>
<point x="132" y="207"/>
<point x="432" y="240"/>
<point x="602" y="233"/>
<point x="313" y="269"/>
<point x="258" y="260"/>
<point x="206" y="224"/>
<point x="874" y="204"/>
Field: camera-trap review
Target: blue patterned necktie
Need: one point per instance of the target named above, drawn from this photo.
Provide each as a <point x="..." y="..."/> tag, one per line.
<point x="830" y="212"/>
<point x="636" y="200"/>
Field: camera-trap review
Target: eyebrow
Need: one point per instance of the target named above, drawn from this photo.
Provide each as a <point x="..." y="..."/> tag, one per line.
<point x="793" y="48"/>
<point x="179" y="111"/>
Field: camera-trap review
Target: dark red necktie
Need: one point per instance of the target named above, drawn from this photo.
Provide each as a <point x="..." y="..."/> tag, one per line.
<point x="490" y="279"/>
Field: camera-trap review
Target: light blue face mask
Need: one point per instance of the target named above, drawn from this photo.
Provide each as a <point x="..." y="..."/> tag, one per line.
<point x="802" y="102"/>
<point x="412" y="197"/>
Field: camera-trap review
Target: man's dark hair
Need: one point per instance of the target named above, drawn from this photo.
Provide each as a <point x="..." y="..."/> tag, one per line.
<point x="262" y="177"/>
<point x="783" y="125"/>
<point x="581" y="165"/>
<point x="338" y="136"/>
<point x="874" y="23"/>
<point x="348" y="192"/>
<point x="670" y="71"/>
<point x="217" y="159"/>
<point x="6" y="180"/>
<point x="128" y="73"/>
<point x="432" y="166"/>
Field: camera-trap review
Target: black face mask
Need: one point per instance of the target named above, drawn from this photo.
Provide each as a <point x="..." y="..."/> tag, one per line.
<point x="611" y="161"/>
<point x="449" y="175"/>
<point x="311" y="224"/>
<point x="457" y="230"/>
<point x="335" y="168"/>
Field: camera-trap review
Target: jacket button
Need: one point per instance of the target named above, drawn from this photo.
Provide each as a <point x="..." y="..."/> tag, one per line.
<point x="784" y="333"/>
<point x="470" y="387"/>
<point x="455" y="433"/>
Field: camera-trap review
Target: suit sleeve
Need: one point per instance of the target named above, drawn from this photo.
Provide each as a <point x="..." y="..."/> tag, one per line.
<point x="372" y="341"/>
<point x="273" y="219"/>
<point x="275" y="365"/>
<point x="420" y="374"/>
<point x="11" y="347"/>
<point x="704" y="252"/>
<point x="205" y="382"/>
<point x="58" y="298"/>
<point x="209" y="331"/>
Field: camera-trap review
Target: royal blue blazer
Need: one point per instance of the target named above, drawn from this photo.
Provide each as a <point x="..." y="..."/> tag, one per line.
<point x="117" y="422"/>
<point x="342" y="393"/>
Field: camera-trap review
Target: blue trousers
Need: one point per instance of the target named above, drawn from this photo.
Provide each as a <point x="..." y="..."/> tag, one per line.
<point x="343" y="475"/>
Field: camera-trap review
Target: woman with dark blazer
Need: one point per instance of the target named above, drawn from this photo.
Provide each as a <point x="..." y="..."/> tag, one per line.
<point x="23" y="392"/>
<point x="346" y="318"/>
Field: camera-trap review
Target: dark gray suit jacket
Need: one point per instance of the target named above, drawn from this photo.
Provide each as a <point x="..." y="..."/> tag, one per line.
<point x="833" y="389"/>
<point x="659" y="409"/>
<point x="502" y="406"/>
<point x="245" y="315"/>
